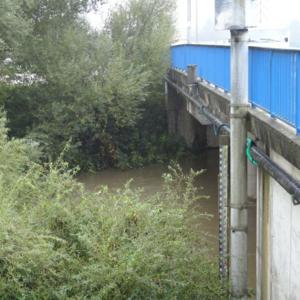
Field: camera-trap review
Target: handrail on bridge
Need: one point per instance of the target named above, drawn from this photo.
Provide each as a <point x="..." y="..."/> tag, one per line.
<point x="274" y="75"/>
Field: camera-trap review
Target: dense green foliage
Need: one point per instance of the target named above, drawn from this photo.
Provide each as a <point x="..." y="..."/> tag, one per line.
<point x="59" y="241"/>
<point x="13" y="27"/>
<point x="99" y="92"/>
<point x="74" y="96"/>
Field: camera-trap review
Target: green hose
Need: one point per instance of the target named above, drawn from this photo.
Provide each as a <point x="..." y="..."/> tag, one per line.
<point x="249" y="145"/>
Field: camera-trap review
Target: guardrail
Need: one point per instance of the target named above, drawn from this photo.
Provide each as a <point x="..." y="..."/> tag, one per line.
<point x="274" y="76"/>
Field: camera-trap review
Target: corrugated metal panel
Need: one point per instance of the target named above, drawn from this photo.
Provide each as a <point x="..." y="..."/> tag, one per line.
<point x="178" y="56"/>
<point x="274" y="76"/>
<point x="297" y="93"/>
<point x="272" y="82"/>
<point x="260" y="78"/>
<point x="213" y="62"/>
<point x="283" y="85"/>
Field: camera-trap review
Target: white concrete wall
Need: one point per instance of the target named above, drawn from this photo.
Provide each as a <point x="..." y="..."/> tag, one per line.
<point x="277" y="20"/>
<point x="251" y="182"/>
<point x="284" y="239"/>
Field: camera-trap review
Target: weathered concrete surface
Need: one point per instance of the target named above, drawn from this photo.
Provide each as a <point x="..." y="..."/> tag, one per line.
<point x="278" y="237"/>
<point x="190" y="129"/>
<point x="182" y="123"/>
<point x="270" y="132"/>
<point x="263" y="236"/>
<point x="172" y="106"/>
<point x="211" y="139"/>
<point x="284" y="238"/>
<point x="252" y="180"/>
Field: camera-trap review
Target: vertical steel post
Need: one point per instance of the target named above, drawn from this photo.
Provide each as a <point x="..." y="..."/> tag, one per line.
<point x="238" y="172"/>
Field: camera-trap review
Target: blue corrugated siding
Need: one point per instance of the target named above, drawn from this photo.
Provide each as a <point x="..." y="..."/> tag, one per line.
<point x="297" y="92"/>
<point x="213" y="62"/>
<point x="274" y="76"/>
<point x="260" y="78"/>
<point x="272" y="82"/>
<point x="283" y="86"/>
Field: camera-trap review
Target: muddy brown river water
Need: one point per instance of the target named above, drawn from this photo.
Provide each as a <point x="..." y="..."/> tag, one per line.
<point x="149" y="178"/>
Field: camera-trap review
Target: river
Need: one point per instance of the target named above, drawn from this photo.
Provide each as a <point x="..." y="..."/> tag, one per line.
<point x="149" y="178"/>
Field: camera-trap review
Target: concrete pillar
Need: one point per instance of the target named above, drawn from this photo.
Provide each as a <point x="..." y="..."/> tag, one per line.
<point x="251" y="185"/>
<point x="284" y="235"/>
<point x="181" y="122"/>
<point x="186" y="128"/>
<point x="263" y="236"/>
<point x="191" y="74"/>
<point x="278" y="232"/>
<point x="172" y="109"/>
<point x="189" y="128"/>
<point x="212" y="139"/>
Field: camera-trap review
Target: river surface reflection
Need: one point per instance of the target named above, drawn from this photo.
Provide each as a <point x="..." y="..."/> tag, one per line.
<point x="149" y="178"/>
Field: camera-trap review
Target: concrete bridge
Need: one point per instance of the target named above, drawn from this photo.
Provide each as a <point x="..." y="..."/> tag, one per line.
<point x="198" y="103"/>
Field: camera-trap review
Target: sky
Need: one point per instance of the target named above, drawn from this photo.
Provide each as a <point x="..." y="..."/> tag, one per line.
<point x="97" y="18"/>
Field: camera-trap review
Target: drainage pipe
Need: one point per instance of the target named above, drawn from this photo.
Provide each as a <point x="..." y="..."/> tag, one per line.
<point x="291" y="185"/>
<point x="202" y="108"/>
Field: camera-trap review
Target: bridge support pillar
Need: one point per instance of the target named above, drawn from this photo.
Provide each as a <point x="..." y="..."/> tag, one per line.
<point x="181" y="122"/>
<point x="172" y="109"/>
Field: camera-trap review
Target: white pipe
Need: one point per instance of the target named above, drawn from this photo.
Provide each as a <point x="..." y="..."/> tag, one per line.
<point x="238" y="172"/>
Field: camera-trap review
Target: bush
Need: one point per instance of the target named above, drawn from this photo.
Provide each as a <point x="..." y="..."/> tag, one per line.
<point x="59" y="241"/>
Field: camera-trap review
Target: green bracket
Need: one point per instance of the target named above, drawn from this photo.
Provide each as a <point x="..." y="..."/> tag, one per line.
<point x="249" y="145"/>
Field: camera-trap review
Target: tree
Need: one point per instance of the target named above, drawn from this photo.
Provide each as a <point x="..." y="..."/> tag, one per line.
<point x="96" y="91"/>
<point x="144" y="30"/>
<point x="14" y="29"/>
<point x="13" y="26"/>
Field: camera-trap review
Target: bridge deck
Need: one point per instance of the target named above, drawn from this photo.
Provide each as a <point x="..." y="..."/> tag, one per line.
<point x="272" y="133"/>
<point x="274" y="76"/>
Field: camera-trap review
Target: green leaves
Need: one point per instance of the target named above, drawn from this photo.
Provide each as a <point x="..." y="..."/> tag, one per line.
<point x="12" y="23"/>
<point x="124" y="90"/>
<point x="97" y="91"/>
<point x="59" y="241"/>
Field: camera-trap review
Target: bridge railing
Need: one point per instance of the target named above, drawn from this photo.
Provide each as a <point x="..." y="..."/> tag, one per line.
<point x="274" y="75"/>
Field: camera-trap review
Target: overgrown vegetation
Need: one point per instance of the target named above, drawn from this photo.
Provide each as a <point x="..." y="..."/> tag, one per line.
<point x="99" y="92"/>
<point x="74" y="96"/>
<point x="59" y="241"/>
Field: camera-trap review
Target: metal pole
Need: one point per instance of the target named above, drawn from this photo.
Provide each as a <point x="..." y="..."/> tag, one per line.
<point x="238" y="171"/>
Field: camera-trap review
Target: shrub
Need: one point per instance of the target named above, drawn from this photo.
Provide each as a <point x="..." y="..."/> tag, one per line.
<point x="59" y="241"/>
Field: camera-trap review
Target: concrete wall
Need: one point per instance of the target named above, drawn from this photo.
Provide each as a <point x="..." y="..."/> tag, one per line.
<point x="194" y="20"/>
<point x="252" y="181"/>
<point x="278" y="238"/>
